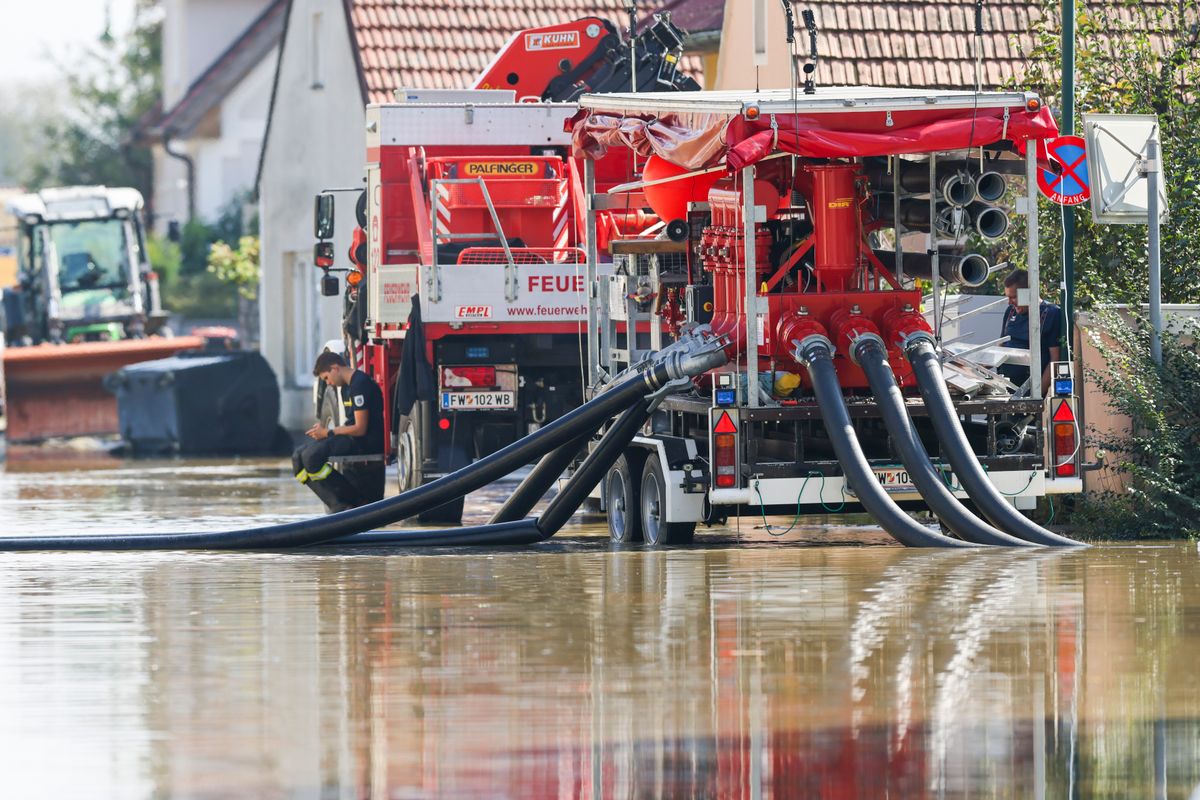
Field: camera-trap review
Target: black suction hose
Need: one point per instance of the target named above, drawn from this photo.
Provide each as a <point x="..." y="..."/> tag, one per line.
<point x="817" y="354"/>
<point x="385" y="512"/>
<point x="538" y="482"/>
<point x="923" y="356"/>
<point x="593" y="469"/>
<point x="521" y="531"/>
<point x="870" y="354"/>
<point x="525" y="531"/>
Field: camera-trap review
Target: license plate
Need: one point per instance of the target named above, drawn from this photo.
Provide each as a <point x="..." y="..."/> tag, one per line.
<point x="894" y="480"/>
<point x="473" y="400"/>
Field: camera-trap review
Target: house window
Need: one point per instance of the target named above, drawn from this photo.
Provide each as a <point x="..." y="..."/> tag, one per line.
<point x="316" y="53"/>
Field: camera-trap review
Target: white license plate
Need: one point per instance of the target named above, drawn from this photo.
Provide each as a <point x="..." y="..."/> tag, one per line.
<point x="472" y="400"/>
<point x="894" y="480"/>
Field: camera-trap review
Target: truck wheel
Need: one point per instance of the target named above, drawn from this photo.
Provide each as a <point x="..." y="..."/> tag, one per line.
<point x="621" y="502"/>
<point x="408" y="456"/>
<point x="654" y="508"/>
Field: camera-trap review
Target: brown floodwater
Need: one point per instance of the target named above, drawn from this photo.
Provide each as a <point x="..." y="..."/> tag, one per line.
<point x="821" y="664"/>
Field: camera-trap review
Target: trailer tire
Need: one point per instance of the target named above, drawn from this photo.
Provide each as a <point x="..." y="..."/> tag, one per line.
<point x="653" y="502"/>
<point x="621" y="501"/>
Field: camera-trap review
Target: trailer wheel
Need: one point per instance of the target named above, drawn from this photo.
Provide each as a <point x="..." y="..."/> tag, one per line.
<point x="654" y="507"/>
<point x="621" y="501"/>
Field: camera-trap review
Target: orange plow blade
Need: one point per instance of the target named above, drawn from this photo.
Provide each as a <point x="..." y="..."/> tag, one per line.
<point x="58" y="390"/>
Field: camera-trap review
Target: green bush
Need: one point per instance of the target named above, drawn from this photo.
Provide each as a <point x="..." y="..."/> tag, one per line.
<point x="1161" y="455"/>
<point x="239" y="268"/>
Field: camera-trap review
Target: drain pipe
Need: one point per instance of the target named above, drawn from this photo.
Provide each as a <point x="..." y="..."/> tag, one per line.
<point x="920" y="348"/>
<point x="189" y="165"/>
<point x="869" y="352"/>
<point x="816" y="353"/>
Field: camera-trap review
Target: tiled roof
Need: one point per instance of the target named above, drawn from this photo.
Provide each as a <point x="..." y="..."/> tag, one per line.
<point x="911" y="43"/>
<point x="445" y="44"/>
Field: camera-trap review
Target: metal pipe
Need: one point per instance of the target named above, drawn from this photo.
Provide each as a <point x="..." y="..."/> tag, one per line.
<point x="190" y="166"/>
<point x="869" y="352"/>
<point x="923" y="356"/>
<point x="969" y="269"/>
<point x="816" y="353"/>
<point x="1153" y="223"/>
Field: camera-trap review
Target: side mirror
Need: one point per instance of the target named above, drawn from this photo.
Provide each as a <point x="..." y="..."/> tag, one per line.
<point x="323" y="254"/>
<point x="323" y="217"/>
<point x="174" y="232"/>
<point x="330" y="286"/>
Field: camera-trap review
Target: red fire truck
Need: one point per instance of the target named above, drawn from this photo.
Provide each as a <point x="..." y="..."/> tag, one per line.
<point x="465" y="299"/>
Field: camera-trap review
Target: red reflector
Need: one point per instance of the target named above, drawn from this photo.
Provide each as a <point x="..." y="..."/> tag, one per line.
<point x="480" y="377"/>
<point x="1064" y="413"/>
<point x="725" y="424"/>
<point x="444" y="424"/>
<point x="1064" y="449"/>
<point x="725" y="459"/>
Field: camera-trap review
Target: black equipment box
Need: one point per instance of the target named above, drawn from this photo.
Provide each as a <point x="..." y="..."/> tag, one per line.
<point x="199" y="403"/>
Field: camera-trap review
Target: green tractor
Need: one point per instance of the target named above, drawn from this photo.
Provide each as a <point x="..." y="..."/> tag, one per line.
<point x="83" y="274"/>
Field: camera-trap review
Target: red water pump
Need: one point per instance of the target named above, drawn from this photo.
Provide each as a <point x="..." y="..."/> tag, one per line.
<point x="851" y="292"/>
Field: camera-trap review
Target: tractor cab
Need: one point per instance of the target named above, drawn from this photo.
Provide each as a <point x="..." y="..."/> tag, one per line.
<point x="83" y="274"/>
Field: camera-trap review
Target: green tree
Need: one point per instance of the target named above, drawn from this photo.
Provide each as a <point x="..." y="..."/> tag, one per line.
<point x="1131" y="58"/>
<point x="109" y="89"/>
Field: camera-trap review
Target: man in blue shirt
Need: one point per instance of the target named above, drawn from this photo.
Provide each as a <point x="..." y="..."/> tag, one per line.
<point x="1016" y="326"/>
<point x="363" y="434"/>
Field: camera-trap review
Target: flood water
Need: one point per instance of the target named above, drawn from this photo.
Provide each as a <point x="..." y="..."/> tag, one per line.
<point x="824" y="663"/>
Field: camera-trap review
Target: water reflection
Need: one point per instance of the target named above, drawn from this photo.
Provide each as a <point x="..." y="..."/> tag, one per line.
<point x="582" y="671"/>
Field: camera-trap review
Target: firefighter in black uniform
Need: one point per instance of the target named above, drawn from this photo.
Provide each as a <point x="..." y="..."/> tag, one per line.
<point x="364" y="406"/>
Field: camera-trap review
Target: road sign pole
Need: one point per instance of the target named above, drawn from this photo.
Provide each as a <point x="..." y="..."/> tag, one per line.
<point x="1068" y="128"/>
<point x="1152" y="171"/>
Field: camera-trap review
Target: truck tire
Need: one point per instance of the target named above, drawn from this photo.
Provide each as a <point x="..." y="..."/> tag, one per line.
<point x="654" y="505"/>
<point x="408" y="456"/>
<point x="621" y="503"/>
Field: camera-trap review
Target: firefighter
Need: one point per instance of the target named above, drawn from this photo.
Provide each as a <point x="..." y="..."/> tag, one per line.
<point x="364" y="405"/>
<point x="1016" y="326"/>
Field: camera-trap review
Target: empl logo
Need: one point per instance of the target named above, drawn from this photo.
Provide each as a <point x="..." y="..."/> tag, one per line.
<point x="562" y="40"/>
<point x="473" y="312"/>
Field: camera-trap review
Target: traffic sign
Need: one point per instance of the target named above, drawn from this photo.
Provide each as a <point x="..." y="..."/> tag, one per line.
<point x="1069" y="187"/>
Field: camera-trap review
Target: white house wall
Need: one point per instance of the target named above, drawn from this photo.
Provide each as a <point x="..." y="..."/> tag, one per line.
<point x="315" y="141"/>
<point x="195" y="33"/>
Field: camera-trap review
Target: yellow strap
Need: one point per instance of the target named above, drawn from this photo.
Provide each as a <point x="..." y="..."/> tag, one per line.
<point x="320" y="474"/>
<point x="302" y="476"/>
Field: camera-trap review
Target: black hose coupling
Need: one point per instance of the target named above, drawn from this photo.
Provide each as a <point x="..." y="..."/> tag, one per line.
<point x="914" y="338"/>
<point x="863" y="339"/>
<point x="810" y="347"/>
<point x="693" y="354"/>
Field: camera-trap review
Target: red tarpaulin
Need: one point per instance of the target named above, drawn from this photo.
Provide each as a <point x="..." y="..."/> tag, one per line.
<point x="698" y="140"/>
